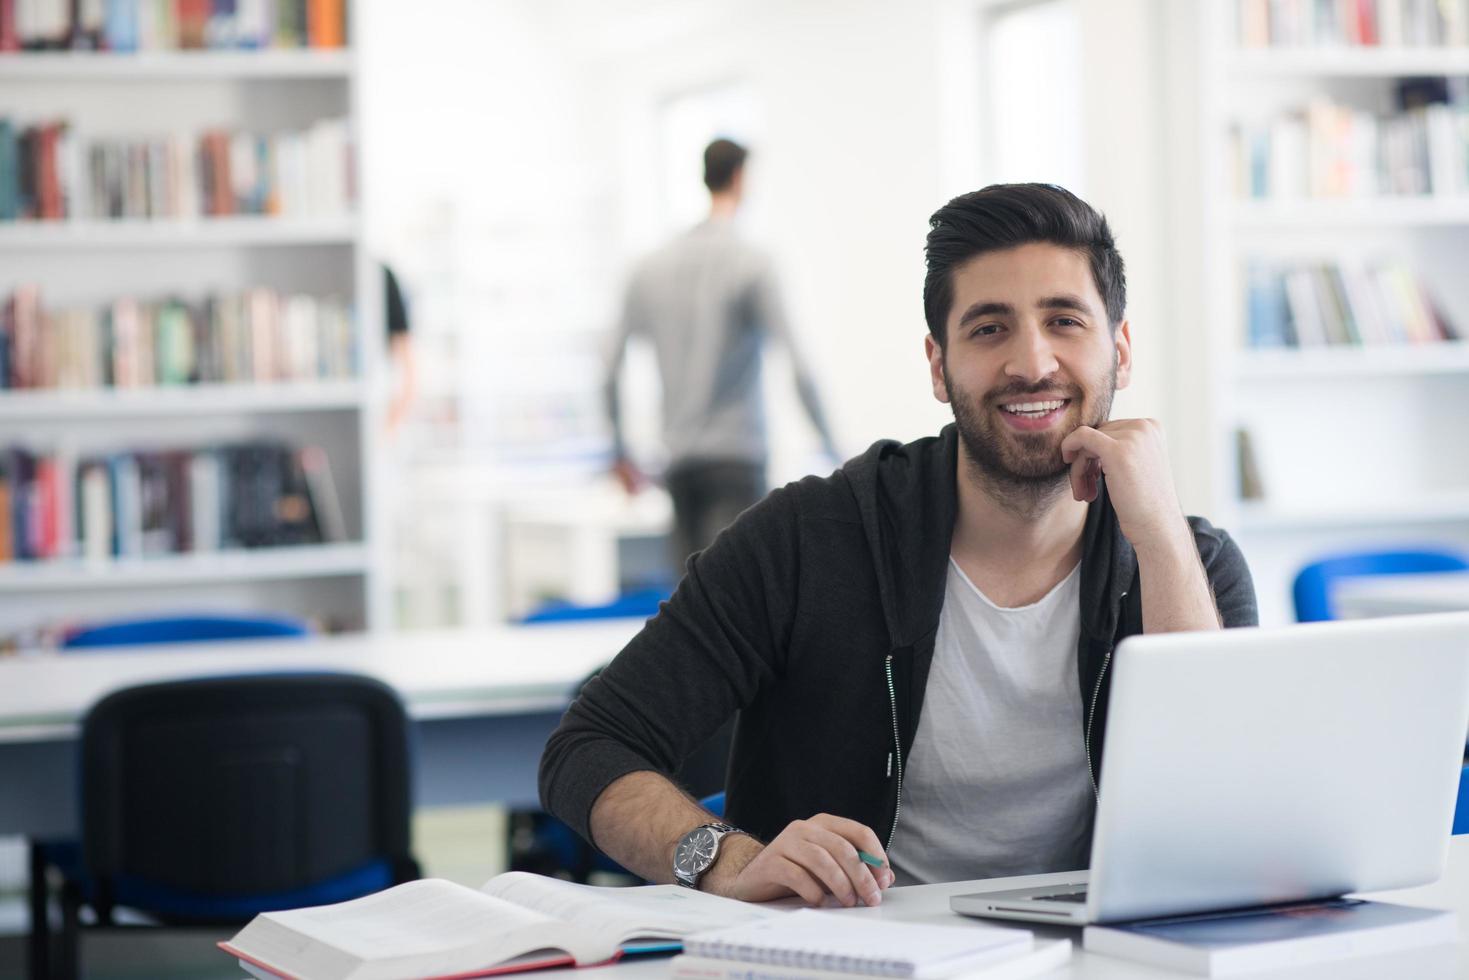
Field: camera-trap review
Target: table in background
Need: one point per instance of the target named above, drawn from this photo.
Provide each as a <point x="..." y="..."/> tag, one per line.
<point x="1360" y="597"/>
<point x="482" y="703"/>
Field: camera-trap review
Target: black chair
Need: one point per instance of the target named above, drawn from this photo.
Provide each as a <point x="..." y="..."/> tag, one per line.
<point x="205" y="802"/>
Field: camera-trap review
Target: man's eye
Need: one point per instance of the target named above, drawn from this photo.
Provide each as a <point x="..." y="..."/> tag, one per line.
<point x="1067" y="321"/>
<point x="987" y="330"/>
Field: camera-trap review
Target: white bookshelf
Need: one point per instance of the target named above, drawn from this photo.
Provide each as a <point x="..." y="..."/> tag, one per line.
<point x="194" y="400"/>
<point x="1341" y="62"/>
<point x="1379" y="213"/>
<point x="1353" y="362"/>
<point x="1357" y="447"/>
<point x="242" y="230"/>
<point x="1410" y="512"/>
<point x="89" y="262"/>
<point x="284" y="64"/>
<point x="239" y="565"/>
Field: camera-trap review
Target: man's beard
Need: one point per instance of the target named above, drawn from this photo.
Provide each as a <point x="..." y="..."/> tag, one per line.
<point x="1023" y="471"/>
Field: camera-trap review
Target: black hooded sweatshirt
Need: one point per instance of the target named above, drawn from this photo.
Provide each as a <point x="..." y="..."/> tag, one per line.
<point x="814" y="616"/>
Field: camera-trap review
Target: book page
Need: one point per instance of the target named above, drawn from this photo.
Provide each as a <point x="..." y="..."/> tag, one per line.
<point x="654" y="911"/>
<point x="428" y="927"/>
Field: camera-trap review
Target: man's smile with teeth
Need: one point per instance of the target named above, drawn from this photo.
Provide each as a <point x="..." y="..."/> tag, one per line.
<point x="1034" y="408"/>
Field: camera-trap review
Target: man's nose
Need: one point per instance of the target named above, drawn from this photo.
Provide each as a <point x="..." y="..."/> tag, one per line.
<point x="1030" y="356"/>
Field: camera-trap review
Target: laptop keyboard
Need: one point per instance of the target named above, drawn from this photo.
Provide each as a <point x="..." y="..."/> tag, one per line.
<point x="1063" y="897"/>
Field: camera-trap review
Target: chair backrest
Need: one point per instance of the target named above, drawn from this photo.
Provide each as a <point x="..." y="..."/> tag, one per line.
<point x="245" y="785"/>
<point x="183" y="629"/>
<point x="714" y="804"/>
<point x="1461" y="808"/>
<point x="1312" y="588"/>
<point x="642" y="603"/>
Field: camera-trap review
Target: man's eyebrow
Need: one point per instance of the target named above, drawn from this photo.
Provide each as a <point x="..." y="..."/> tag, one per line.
<point x="986" y="309"/>
<point x="1060" y="301"/>
<point x="1064" y="301"/>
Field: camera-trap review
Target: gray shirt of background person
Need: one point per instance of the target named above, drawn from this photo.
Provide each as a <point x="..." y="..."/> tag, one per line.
<point x="707" y="301"/>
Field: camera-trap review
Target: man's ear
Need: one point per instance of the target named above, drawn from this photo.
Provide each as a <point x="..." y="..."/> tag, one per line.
<point x="1122" y="339"/>
<point x="936" y="368"/>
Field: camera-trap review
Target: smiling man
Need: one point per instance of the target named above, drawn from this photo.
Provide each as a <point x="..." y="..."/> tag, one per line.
<point x="918" y="645"/>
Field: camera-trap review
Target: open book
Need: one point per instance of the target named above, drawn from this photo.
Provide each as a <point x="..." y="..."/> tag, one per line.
<point x="517" y="921"/>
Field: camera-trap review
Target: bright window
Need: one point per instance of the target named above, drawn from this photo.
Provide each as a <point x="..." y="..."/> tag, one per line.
<point x="1032" y="94"/>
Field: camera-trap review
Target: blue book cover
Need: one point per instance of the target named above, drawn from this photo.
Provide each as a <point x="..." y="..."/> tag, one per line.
<point x="1276" y="923"/>
<point x="1267" y="310"/>
<point x="120" y="26"/>
<point x="9" y="172"/>
<point x="1274" y="936"/>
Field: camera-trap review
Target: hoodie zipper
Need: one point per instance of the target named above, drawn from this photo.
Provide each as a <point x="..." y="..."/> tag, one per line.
<point x="1091" y="714"/>
<point x="898" y="748"/>
<point x="1096" y="692"/>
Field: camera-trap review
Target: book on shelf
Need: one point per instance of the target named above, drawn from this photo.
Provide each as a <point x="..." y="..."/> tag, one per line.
<point x="56" y="173"/>
<point x="150" y="25"/>
<point x="1252" y="940"/>
<point x="1352" y="23"/>
<point x="828" y="941"/>
<point x="516" y="921"/>
<point x="1251" y="485"/>
<point x="1330" y="150"/>
<point x="1340" y="304"/>
<point x="1037" y="960"/>
<point x="135" y="504"/>
<point x="255" y="336"/>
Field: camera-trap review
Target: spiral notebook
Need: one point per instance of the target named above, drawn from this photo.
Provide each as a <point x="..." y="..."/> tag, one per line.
<point x="862" y="944"/>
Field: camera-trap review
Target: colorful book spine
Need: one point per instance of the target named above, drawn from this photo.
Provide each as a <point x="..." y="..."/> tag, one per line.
<point x="1346" y="304"/>
<point x="253" y="337"/>
<point x="248" y="495"/>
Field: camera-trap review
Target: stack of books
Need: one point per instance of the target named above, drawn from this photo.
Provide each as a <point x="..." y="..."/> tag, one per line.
<point x="520" y="921"/>
<point x="137" y="504"/>
<point x="1355" y="23"/>
<point x="151" y="25"/>
<point x="1329" y="150"/>
<point x="48" y="172"/>
<point x="1226" y="944"/>
<point x="256" y="336"/>
<point x="1344" y="304"/>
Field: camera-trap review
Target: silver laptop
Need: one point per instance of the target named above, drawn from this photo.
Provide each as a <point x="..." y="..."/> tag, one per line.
<point x="1249" y="767"/>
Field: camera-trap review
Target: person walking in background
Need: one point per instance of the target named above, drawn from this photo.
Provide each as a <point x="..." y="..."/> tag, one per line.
<point x="707" y="301"/>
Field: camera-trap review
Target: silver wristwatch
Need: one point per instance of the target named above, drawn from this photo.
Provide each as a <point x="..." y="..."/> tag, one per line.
<point x="697" y="851"/>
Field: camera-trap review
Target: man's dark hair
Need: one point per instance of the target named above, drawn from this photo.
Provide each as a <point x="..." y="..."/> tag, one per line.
<point x="722" y="160"/>
<point x="1004" y="216"/>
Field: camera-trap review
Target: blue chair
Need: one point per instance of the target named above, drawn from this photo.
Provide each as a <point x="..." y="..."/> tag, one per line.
<point x="642" y="603"/>
<point x="183" y="629"/>
<point x="1461" y="809"/>
<point x="205" y="802"/>
<point x="1312" y="588"/>
<point x="714" y="804"/>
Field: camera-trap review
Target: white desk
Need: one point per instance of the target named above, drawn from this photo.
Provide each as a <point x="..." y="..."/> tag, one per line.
<point x="930" y="903"/>
<point x="1400" y="595"/>
<point x="482" y="703"/>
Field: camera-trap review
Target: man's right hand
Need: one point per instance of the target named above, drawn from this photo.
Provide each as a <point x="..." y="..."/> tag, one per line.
<point x="629" y="476"/>
<point x="811" y="859"/>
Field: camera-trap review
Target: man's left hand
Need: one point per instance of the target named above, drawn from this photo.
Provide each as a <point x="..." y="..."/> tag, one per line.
<point x="1133" y="455"/>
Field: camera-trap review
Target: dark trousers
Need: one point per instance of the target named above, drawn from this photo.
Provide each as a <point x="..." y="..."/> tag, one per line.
<point x="707" y="496"/>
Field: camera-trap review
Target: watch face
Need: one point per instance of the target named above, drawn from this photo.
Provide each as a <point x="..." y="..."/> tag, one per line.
<point x="695" y="852"/>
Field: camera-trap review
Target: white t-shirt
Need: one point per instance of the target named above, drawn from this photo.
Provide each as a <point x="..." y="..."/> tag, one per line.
<point x="996" y="782"/>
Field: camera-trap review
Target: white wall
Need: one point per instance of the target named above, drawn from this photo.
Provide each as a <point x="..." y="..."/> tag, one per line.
<point x="870" y="127"/>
